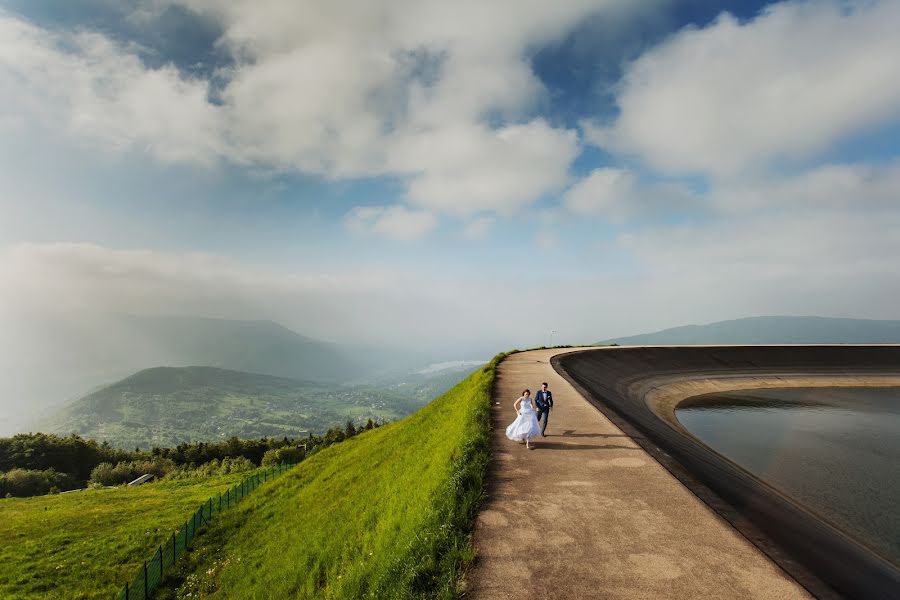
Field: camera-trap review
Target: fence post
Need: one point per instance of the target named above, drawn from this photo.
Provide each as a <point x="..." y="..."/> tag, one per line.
<point x="161" y="564"/>
<point x="146" y="586"/>
<point x="126" y="591"/>
<point x="220" y="502"/>
<point x="174" y="547"/>
<point x="195" y="523"/>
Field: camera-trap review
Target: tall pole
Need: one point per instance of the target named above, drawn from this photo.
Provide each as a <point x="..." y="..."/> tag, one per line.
<point x="552" y="331"/>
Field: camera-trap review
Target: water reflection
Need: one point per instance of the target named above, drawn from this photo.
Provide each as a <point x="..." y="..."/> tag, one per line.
<point x="835" y="450"/>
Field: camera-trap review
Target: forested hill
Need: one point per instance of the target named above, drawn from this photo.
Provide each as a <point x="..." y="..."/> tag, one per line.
<point x="774" y="330"/>
<point x="66" y="357"/>
<point x="165" y="406"/>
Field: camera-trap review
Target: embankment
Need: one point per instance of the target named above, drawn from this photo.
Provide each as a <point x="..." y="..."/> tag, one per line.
<point x="385" y="514"/>
<point x="639" y="388"/>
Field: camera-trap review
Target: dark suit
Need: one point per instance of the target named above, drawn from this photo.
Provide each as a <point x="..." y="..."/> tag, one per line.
<point x="544" y="402"/>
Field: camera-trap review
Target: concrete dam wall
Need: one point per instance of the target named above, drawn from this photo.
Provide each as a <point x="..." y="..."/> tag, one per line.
<point x="640" y="387"/>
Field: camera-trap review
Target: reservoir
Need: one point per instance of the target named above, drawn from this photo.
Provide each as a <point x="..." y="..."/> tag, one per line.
<point x="834" y="450"/>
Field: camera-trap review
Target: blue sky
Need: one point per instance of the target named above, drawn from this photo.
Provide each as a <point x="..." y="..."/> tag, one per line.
<point x="403" y="173"/>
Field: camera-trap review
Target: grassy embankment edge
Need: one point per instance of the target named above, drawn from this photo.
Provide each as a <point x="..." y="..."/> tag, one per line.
<point x="305" y="537"/>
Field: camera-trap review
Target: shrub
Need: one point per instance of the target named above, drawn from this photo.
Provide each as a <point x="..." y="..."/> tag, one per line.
<point x="34" y="482"/>
<point x="123" y="472"/>
<point x="282" y="455"/>
<point x="214" y="467"/>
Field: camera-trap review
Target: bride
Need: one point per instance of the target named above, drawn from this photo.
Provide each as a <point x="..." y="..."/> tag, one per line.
<point x="526" y="425"/>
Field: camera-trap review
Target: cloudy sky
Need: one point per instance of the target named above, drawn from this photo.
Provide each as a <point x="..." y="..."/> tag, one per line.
<point x="469" y="175"/>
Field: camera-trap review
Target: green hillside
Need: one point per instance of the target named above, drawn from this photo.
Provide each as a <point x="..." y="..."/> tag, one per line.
<point x="86" y="544"/>
<point x="165" y="406"/>
<point x="387" y="514"/>
<point x="68" y="357"/>
<point x="773" y="330"/>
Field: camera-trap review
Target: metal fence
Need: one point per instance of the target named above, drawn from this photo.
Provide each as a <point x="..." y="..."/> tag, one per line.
<point x="150" y="575"/>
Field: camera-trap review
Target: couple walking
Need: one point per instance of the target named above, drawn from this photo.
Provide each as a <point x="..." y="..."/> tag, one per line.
<point x="526" y="425"/>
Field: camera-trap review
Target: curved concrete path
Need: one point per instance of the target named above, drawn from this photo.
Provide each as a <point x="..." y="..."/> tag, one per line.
<point x="589" y="514"/>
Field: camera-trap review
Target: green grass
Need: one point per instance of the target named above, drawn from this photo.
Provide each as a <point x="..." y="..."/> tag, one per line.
<point x="387" y="514"/>
<point x="87" y="544"/>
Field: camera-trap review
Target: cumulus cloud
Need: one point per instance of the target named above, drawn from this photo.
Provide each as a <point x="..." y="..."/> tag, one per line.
<point x="619" y="194"/>
<point x="867" y="188"/>
<point x="442" y="96"/>
<point x="95" y="89"/>
<point x="465" y="169"/>
<point x="734" y="97"/>
<point x="393" y="222"/>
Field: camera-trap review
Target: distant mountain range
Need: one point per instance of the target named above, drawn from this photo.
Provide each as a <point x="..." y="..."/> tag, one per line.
<point x="164" y="406"/>
<point x="773" y="330"/>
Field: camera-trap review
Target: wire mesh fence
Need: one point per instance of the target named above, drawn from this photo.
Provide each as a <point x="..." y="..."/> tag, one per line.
<point x="150" y="575"/>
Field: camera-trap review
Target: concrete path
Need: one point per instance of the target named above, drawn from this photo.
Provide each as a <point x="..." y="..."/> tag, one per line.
<point x="588" y="514"/>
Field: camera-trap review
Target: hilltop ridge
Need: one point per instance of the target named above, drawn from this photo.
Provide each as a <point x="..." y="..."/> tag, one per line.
<point x="772" y="330"/>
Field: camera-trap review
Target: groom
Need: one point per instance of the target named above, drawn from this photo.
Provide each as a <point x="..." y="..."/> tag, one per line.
<point x="544" y="402"/>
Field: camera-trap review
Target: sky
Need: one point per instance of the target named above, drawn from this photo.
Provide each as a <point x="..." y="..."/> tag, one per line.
<point x="469" y="176"/>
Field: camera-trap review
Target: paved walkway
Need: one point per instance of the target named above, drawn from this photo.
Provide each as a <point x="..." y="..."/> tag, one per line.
<point x="588" y="514"/>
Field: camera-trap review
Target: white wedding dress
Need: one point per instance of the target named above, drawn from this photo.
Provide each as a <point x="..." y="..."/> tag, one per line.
<point x="525" y="426"/>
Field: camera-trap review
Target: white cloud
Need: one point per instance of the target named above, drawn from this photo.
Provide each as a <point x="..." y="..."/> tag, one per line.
<point x="440" y="95"/>
<point x="604" y="190"/>
<point x="324" y="91"/>
<point x="465" y="169"/>
<point x="796" y="264"/>
<point x="863" y="187"/>
<point x="734" y="98"/>
<point x="95" y="89"/>
<point x="619" y="194"/>
<point x="478" y="228"/>
<point x="393" y="222"/>
<point x="821" y="242"/>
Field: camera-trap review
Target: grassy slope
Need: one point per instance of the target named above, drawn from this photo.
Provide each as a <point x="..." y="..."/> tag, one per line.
<point x="387" y="514"/>
<point x="87" y="544"/>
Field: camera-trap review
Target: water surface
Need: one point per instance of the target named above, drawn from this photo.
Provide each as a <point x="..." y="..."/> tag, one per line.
<point x="835" y="450"/>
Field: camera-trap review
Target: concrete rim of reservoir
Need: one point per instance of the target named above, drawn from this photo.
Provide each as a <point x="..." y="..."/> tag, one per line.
<point x="639" y="388"/>
<point x="590" y="513"/>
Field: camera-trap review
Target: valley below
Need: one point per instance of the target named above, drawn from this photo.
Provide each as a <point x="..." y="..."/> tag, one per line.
<point x="167" y="406"/>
